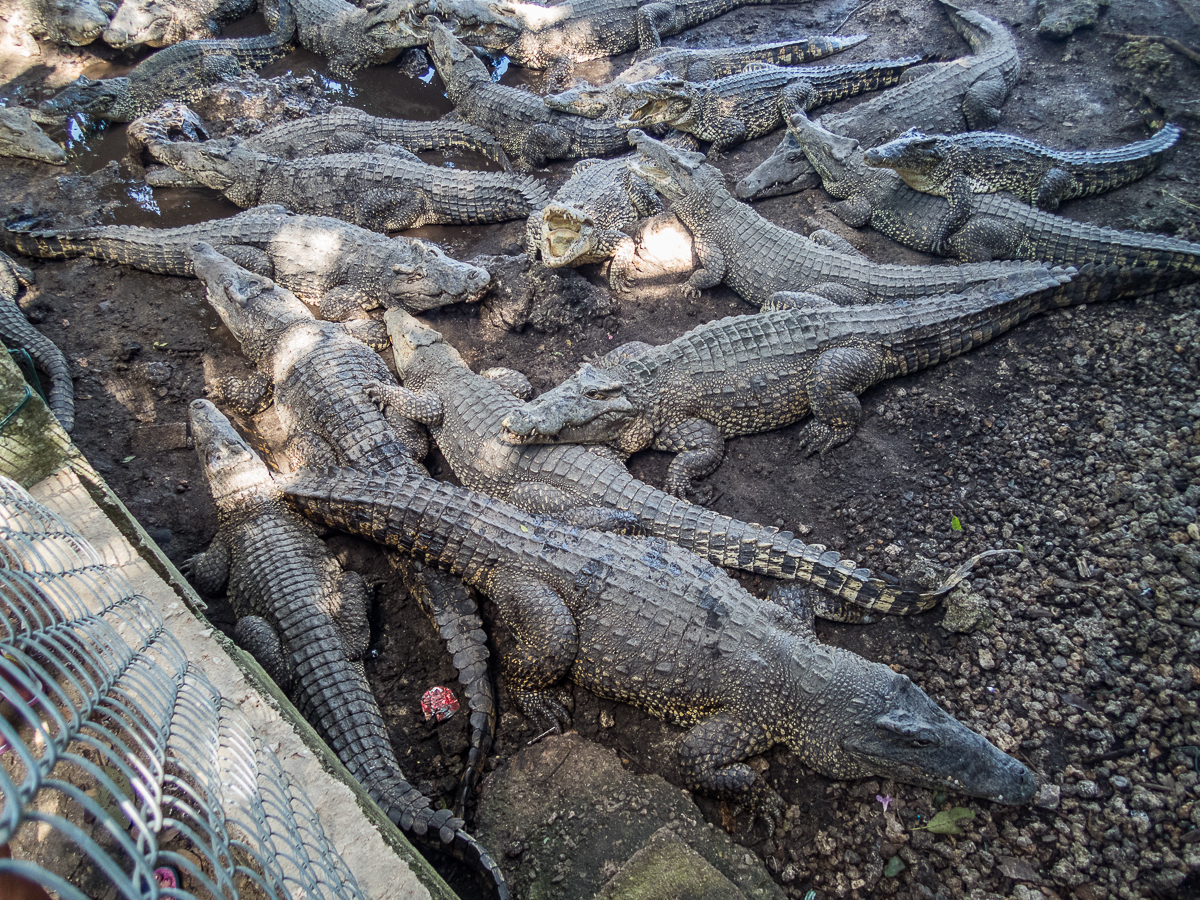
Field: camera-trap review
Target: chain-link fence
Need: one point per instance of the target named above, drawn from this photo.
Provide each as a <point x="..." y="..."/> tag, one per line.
<point x="123" y="772"/>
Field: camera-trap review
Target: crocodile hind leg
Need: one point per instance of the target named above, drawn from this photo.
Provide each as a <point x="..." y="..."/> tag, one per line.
<point x="424" y="407"/>
<point x="713" y="267"/>
<point x="511" y="380"/>
<point x="257" y="261"/>
<point x="711" y="759"/>
<point x="342" y="303"/>
<point x="352" y="600"/>
<point x="256" y="636"/>
<point x="962" y="204"/>
<point x="837" y="378"/>
<point x="651" y="19"/>
<point x="700" y="447"/>
<point x="1052" y="189"/>
<point x="982" y="102"/>
<point x="248" y="396"/>
<point x="208" y="570"/>
<point x="545" y="643"/>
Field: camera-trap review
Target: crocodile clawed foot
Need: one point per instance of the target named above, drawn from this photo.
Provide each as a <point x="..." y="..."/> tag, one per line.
<point x="818" y="438"/>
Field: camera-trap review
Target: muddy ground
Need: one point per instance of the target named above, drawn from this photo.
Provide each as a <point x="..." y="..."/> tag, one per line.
<point x="1075" y="438"/>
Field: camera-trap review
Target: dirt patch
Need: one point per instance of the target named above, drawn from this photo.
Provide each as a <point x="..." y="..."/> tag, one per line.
<point x="1075" y="438"/>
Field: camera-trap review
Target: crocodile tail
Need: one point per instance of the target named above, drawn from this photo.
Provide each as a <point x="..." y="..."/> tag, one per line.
<point x="439" y="829"/>
<point x="1147" y="150"/>
<point x="25" y="235"/>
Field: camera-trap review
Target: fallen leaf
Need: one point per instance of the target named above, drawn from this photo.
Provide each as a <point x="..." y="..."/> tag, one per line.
<point x="946" y="822"/>
<point x="1017" y="869"/>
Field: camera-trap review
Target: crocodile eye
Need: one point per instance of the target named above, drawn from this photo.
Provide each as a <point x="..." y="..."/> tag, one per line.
<point x="795" y="156"/>
<point x="595" y="394"/>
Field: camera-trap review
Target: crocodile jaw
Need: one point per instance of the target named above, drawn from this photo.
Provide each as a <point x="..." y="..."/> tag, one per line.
<point x="582" y="100"/>
<point x="21" y="137"/>
<point x="430" y="279"/>
<point x="566" y="235"/>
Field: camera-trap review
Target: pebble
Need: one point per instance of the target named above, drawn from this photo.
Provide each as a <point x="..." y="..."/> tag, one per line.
<point x="1048" y="796"/>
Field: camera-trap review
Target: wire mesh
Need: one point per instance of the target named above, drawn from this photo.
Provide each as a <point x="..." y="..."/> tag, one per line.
<point x="119" y="760"/>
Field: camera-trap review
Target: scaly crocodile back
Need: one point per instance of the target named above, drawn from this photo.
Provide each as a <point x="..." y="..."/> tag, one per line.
<point x="17" y="333"/>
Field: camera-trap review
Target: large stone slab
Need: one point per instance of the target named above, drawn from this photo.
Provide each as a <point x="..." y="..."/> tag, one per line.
<point x="564" y="816"/>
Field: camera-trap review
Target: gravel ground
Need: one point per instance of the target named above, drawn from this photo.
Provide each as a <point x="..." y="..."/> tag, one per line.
<point x="1073" y="438"/>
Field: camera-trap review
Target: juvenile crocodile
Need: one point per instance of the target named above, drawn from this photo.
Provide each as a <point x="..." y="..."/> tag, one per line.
<point x="337" y="266"/>
<point x="529" y="131"/>
<point x="181" y="72"/>
<point x="746" y="374"/>
<point x="646" y="622"/>
<point x="579" y="30"/>
<point x="305" y="621"/>
<point x="979" y="162"/>
<point x="599" y="101"/>
<point x="317" y="372"/>
<point x="75" y="22"/>
<point x="586" y="221"/>
<point x="347" y="130"/>
<point x="465" y="412"/>
<point x="17" y="333"/>
<point x="940" y="98"/>
<point x="759" y="259"/>
<point x="750" y="104"/>
<point x="382" y="193"/>
<point x="21" y="137"/>
<point x="352" y="37"/>
<point x="159" y="23"/>
<point x="1001" y="227"/>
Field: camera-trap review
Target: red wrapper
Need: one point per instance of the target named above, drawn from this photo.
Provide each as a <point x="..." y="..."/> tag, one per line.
<point x="439" y="704"/>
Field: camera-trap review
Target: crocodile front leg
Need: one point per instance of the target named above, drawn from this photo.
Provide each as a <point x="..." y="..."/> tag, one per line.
<point x="962" y="204"/>
<point x="257" y="261"/>
<point x="700" y="447"/>
<point x="711" y="759"/>
<point x="208" y="570"/>
<point x="545" y="643"/>
<point x="424" y="407"/>
<point x="837" y="378"/>
<point x="511" y="380"/>
<point x="726" y="133"/>
<point x="652" y="18"/>
<point x="342" y="304"/>
<point x="543" y="142"/>
<point x="854" y="211"/>
<point x="712" y="271"/>
<point x="1051" y="189"/>
<point x="248" y="396"/>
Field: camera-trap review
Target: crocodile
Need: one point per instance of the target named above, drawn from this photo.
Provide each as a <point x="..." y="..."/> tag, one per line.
<point x="586" y="221"/>
<point x="160" y="23"/>
<point x="979" y="162"/>
<point x="305" y="620"/>
<point x="320" y="373"/>
<point x="600" y="101"/>
<point x="347" y="130"/>
<point x="578" y="30"/>
<point x="1000" y="227"/>
<point x="183" y="72"/>
<point x="75" y="22"/>
<point x="746" y="374"/>
<point x="379" y="192"/>
<point x="316" y="371"/>
<point x="934" y="98"/>
<point x="529" y="132"/>
<point x="465" y="412"/>
<point x="646" y="622"/>
<point x="17" y="333"/>
<point x="332" y="264"/>
<point x="728" y="111"/>
<point x="21" y="138"/>
<point x="759" y="259"/>
<point x="352" y="37"/>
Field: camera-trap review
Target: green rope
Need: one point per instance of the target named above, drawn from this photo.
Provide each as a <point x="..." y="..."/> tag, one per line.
<point x="16" y="409"/>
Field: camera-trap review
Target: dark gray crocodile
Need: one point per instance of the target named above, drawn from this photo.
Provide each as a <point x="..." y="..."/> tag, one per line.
<point x="1000" y="227"/>
<point x="728" y="111"/>
<point x="599" y="101"/>
<point x="352" y="37"/>
<point x="305" y="621"/>
<point x="21" y="138"/>
<point x="17" y="333"/>
<point x="529" y="131"/>
<point x="337" y="266"/>
<point x="316" y="371"/>
<point x="379" y="192"/>
<point x="649" y="623"/>
<point x="588" y="218"/>
<point x="578" y="30"/>
<point x="939" y="98"/>
<point x="181" y="72"/>
<point x="980" y="162"/>
<point x="347" y="130"/>
<point x="759" y="259"/>
<point x="75" y="22"/>
<point x="160" y="23"/>
<point x="465" y="412"/>
<point x="746" y="374"/>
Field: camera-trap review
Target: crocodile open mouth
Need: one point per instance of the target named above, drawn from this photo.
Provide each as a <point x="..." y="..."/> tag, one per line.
<point x="564" y="235"/>
<point x="652" y="112"/>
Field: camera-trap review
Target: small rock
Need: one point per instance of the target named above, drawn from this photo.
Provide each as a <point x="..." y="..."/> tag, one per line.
<point x="1048" y="796"/>
<point x="1059" y="19"/>
<point x="1087" y="790"/>
<point x="986" y="660"/>
<point x="1119" y="783"/>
